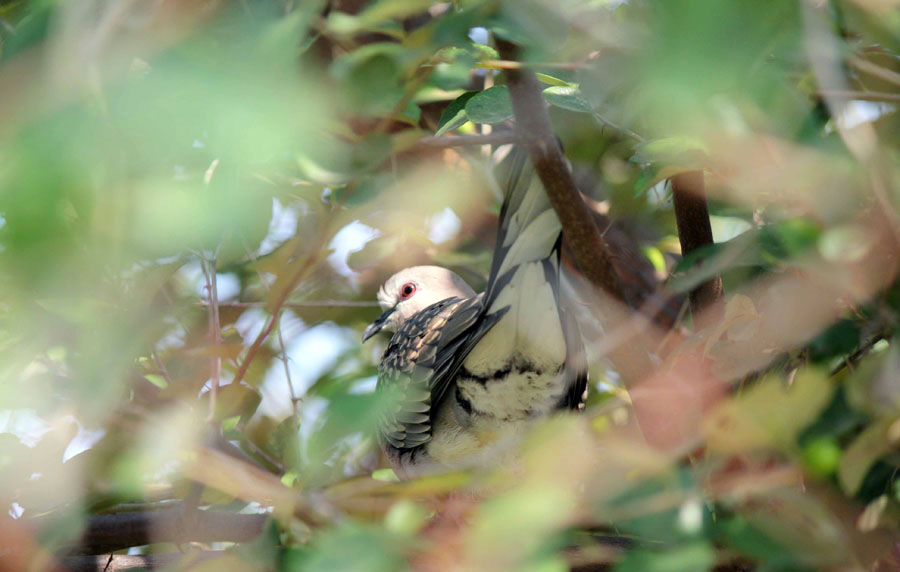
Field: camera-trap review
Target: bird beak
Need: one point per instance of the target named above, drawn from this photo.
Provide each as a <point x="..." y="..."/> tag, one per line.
<point x="376" y="326"/>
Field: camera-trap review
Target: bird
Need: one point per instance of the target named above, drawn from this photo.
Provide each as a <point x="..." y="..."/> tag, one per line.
<point x="464" y="374"/>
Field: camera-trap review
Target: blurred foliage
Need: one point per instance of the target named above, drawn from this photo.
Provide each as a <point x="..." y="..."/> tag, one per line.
<point x="198" y="201"/>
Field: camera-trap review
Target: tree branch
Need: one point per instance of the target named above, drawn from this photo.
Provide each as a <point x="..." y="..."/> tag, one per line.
<point x="307" y="304"/>
<point x="136" y="563"/>
<point x="533" y="126"/>
<point x="111" y="532"/>
<point x="695" y="232"/>
<point x="448" y="141"/>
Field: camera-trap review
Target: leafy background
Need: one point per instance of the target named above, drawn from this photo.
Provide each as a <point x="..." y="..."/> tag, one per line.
<point x="199" y="199"/>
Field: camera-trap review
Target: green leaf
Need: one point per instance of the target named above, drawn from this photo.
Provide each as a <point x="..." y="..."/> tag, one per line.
<point x="549" y="79"/>
<point x="362" y="190"/>
<point x="235" y="400"/>
<point x="76" y="309"/>
<point x="822" y="456"/>
<point x="567" y="97"/>
<point x="157" y="380"/>
<point x="354" y="546"/>
<point x="386" y="475"/>
<point x="839" y="339"/>
<point x="789" y="238"/>
<point x="684" y="152"/>
<point x="490" y="106"/>
<point x="370" y="78"/>
<point x="452" y="75"/>
<point x="838" y="419"/>
<point x="405" y="518"/>
<point x="863" y="452"/>
<point x="378" y="12"/>
<point x="768" y="413"/>
<point x="455" y="113"/>
<point x="688" y="558"/>
<point x="742" y="536"/>
<point x="485" y="52"/>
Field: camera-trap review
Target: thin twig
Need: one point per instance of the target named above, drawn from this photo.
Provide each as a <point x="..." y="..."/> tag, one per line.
<point x="616" y="127"/>
<point x="876" y="70"/>
<point x="139" y="562"/>
<point x="298" y="275"/>
<point x="863" y="95"/>
<point x="448" y="141"/>
<point x="851" y="360"/>
<point x="515" y="65"/>
<point x="307" y="304"/>
<point x="287" y="375"/>
<point x="215" y="332"/>
<point x="162" y="369"/>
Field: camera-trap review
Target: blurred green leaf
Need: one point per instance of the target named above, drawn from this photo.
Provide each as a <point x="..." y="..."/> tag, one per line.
<point x="455" y="113"/>
<point x="567" y="97"/>
<point x="157" y="380"/>
<point x="839" y="339"/>
<point x="789" y="238"/>
<point x="748" y="540"/>
<point x="452" y="75"/>
<point x="822" y="456"/>
<point x="371" y="77"/>
<point x="837" y="420"/>
<point x="351" y="546"/>
<point x="76" y="309"/>
<point x="235" y="400"/>
<point x="685" y="153"/>
<point x="386" y="475"/>
<point x="490" y="106"/>
<point x="874" y="442"/>
<point x="687" y="558"/>
<point x="768" y="413"/>
<point x="405" y="518"/>
<point x="555" y="81"/>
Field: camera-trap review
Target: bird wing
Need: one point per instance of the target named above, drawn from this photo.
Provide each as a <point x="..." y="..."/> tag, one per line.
<point x="418" y="366"/>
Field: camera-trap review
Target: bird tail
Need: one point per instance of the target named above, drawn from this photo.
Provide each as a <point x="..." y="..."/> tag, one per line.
<point x="529" y="229"/>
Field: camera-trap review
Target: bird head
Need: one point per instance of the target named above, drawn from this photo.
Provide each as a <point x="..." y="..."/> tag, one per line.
<point x="411" y="290"/>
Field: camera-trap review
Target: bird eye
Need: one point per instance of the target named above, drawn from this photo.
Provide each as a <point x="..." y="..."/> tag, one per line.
<point x="407" y="290"/>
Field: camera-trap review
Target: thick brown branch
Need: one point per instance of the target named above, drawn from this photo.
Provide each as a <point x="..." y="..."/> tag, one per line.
<point x="695" y="232"/>
<point x="533" y="126"/>
<point x="111" y="532"/>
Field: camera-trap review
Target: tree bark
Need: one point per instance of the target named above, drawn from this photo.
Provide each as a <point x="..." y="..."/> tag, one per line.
<point x="694" y="233"/>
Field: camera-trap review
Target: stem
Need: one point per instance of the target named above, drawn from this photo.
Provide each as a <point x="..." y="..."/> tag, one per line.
<point x="215" y="333"/>
<point x="307" y="304"/>
<point x="448" y="141"/>
<point x="695" y="232"/>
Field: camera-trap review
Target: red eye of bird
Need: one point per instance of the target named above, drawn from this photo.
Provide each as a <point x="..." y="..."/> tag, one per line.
<point x="407" y="290"/>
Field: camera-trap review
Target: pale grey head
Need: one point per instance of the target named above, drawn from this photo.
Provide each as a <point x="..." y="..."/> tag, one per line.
<point x="411" y="290"/>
